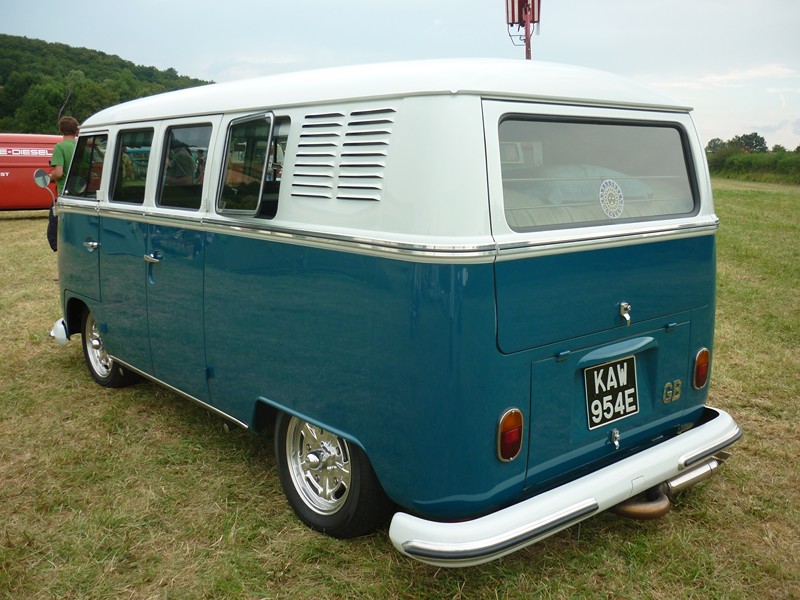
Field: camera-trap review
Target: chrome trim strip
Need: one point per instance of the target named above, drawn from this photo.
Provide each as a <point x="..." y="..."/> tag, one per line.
<point x="523" y="249"/>
<point x="64" y="205"/>
<point x="457" y="254"/>
<point x="692" y="458"/>
<point x="467" y="253"/>
<point x="205" y="405"/>
<point x="499" y="544"/>
<point x="440" y="253"/>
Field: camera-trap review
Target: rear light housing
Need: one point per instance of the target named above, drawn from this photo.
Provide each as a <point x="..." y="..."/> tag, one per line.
<point x="702" y="366"/>
<point x="509" y="435"/>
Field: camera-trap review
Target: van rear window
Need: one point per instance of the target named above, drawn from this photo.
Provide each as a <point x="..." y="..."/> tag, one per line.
<point x="566" y="173"/>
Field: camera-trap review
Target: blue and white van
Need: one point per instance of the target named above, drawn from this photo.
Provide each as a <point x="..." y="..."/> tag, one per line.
<point x="475" y="297"/>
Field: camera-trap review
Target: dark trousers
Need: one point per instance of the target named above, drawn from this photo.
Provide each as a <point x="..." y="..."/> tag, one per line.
<point x="52" y="229"/>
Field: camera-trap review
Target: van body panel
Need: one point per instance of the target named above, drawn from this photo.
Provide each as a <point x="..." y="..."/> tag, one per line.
<point x="561" y="438"/>
<point x="123" y="278"/>
<point x="175" y="303"/>
<point x="78" y="260"/>
<point x="629" y="287"/>
<point x="585" y="289"/>
<point x="20" y="155"/>
<point x="357" y="344"/>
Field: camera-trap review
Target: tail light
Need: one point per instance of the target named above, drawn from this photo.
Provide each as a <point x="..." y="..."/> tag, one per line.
<point x="702" y="364"/>
<point x="509" y="435"/>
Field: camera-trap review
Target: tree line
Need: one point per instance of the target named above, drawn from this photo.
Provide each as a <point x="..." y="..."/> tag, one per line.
<point x="749" y="157"/>
<point x="40" y="82"/>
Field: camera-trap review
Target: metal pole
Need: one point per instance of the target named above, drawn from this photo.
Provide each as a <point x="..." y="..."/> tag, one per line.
<point x="527" y="16"/>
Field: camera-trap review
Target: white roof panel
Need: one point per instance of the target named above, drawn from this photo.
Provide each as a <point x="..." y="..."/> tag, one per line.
<point x="490" y="78"/>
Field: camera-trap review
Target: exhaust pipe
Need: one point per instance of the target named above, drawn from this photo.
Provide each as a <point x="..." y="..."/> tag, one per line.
<point x="657" y="501"/>
<point x="652" y="504"/>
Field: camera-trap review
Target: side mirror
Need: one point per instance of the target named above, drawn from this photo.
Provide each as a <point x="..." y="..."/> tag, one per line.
<point x="41" y="178"/>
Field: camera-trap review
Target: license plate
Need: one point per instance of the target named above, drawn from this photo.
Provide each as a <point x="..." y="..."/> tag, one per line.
<point x="611" y="392"/>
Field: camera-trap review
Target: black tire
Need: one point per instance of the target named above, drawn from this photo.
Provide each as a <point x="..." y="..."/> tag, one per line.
<point x="329" y="483"/>
<point x="101" y="366"/>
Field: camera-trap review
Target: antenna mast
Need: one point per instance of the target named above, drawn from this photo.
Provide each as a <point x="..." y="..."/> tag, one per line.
<point x="525" y="14"/>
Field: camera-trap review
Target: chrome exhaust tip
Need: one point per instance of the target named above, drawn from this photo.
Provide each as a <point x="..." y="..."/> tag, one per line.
<point x="657" y="501"/>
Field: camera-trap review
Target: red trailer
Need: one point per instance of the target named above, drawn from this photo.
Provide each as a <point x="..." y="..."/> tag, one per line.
<point x="20" y="155"/>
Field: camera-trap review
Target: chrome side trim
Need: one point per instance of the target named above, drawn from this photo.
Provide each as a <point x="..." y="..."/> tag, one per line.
<point x="205" y="405"/>
<point x="479" y="253"/>
<point x="484" y="253"/>
<point x="467" y="253"/>
<point x="692" y="458"/>
<point x="490" y="548"/>
<point x="632" y="235"/>
<point x="81" y="208"/>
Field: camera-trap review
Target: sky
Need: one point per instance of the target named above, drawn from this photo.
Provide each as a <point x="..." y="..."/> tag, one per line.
<point x="737" y="62"/>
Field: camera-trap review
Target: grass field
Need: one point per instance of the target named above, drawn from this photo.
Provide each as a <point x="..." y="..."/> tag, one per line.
<point x="137" y="493"/>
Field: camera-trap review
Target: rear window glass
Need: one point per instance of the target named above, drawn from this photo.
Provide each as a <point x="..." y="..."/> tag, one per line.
<point x="580" y="173"/>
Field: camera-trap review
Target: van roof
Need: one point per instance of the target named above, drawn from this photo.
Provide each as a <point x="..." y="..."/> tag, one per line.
<point x="494" y="78"/>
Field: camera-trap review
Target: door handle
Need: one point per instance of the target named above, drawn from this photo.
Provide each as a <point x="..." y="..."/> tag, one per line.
<point x="153" y="257"/>
<point x="624" y="312"/>
<point x="91" y="245"/>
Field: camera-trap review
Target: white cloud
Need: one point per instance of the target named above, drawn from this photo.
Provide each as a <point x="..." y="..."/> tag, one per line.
<point x="735" y="78"/>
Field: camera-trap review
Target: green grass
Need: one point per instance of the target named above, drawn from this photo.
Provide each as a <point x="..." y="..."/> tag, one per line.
<point x="137" y="493"/>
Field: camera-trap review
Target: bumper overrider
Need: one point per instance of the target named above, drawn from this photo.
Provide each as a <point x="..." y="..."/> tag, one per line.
<point x="689" y="457"/>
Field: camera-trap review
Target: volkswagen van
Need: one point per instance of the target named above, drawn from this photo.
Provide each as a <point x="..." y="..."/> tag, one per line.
<point x="472" y="297"/>
<point x="20" y="155"/>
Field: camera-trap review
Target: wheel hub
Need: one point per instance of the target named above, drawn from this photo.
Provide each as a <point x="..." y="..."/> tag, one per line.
<point x="320" y="467"/>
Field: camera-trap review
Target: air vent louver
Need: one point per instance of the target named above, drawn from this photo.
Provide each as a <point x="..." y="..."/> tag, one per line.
<point x="343" y="156"/>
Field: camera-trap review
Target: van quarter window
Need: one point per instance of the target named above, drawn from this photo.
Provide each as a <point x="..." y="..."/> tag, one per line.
<point x="567" y="173"/>
<point x="253" y="165"/>
<point x="87" y="167"/>
<point x="183" y="168"/>
<point x="130" y="166"/>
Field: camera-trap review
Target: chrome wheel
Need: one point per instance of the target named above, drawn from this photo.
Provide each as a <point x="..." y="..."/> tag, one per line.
<point x="319" y="466"/>
<point x="101" y="366"/>
<point x="328" y="481"/>
<point x="96" y="354"/>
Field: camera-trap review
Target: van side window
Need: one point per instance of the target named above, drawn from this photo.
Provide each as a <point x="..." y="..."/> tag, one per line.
<point x="130" y="166"/>
<point x="253" y="166"/>
<point x="563" y="173"/>
<point x="87" y="167"/>
<point x="183" y="167"/>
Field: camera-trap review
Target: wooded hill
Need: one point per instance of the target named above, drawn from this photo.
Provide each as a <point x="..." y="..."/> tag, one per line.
<point x="41" y="82"/>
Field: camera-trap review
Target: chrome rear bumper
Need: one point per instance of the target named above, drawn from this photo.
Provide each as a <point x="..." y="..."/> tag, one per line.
<point x="489" y="537"/>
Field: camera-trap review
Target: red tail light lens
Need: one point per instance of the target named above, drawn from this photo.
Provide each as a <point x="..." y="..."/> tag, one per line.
<point x="509" y="435"/>
<point x="702" y="364"/>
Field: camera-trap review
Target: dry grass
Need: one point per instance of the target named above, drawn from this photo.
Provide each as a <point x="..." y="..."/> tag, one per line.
<point x="137" y="493"/>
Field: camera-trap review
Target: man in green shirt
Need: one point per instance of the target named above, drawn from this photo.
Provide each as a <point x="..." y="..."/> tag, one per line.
<point x="62" y="156"/>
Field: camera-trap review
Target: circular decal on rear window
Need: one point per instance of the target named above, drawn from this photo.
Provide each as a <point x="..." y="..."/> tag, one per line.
<point x="611" y="200"/>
